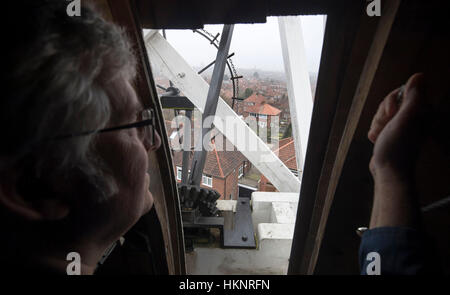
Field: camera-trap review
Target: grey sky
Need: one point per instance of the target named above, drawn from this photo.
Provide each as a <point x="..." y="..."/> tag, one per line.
<point x="255" y="45"/>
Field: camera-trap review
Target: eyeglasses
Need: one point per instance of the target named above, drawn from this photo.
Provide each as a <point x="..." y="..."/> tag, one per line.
<point x="145" y="125"/>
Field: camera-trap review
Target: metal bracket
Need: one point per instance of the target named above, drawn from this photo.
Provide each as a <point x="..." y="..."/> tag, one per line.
<point x="242" y="234"/>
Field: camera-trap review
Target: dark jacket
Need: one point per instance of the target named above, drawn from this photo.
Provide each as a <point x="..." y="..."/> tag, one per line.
<point x="399" y="251"/>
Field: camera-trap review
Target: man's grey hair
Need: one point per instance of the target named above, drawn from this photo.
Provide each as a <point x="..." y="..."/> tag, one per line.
<point x="57" y="71"/>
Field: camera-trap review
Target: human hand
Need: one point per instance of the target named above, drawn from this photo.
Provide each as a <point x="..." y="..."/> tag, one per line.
<point x="398" y="131"/>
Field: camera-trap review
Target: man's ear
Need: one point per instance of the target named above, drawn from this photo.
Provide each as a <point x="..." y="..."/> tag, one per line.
<point x="29" y="203"/>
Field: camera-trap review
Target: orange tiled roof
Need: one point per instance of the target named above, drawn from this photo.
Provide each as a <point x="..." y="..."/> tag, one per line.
<point x="256" y="98"/>
<point x="218" y="163"/>
<point x="286" y="152"/>
<point x="265" y="109"/>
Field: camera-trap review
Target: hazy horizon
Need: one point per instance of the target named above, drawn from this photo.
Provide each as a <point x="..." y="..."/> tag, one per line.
<point x="256" y="46"/>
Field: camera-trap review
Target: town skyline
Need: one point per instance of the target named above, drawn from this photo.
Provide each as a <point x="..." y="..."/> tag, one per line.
<point x="251" y="45"/>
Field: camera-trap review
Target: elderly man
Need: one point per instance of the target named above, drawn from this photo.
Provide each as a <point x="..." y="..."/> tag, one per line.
<point x="75" y="138"/>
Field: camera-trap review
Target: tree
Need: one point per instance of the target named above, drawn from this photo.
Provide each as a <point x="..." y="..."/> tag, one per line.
<point x="248" y="92"/>
<point x="256" y="75"/>
<point x="288" y="131"/>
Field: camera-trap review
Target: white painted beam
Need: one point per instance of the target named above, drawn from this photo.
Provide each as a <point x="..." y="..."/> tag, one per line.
<point x="175" y="68"/>
<point x="298" y="83"/>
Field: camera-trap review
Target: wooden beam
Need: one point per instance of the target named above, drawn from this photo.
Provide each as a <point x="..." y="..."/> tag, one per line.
<point x="370" y="67"/>
<point x="340" y="33"/>
<point x="179" y="14"/>
<point x="417" y="43"/>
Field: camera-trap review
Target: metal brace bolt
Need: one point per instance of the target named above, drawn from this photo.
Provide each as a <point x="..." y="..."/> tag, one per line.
<point x="181" y="75"/>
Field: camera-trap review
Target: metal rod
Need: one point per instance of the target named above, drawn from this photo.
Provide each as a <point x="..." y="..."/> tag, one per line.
<point x="160" y="87"/>
<point x="228" y="64"/>
<point x="212" y="41"/>
<point x="211" y="63"/>
<point x="186" y="147"/>
<point x="237" y="77"/>
<point x="198" y="162"/>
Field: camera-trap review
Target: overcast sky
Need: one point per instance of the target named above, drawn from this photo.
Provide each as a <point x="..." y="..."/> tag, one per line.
<point x="256" y="46"/>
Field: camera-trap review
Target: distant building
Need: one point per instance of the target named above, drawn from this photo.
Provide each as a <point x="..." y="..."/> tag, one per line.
<point x="256" y="106"/>
<point x="253" y="100"/>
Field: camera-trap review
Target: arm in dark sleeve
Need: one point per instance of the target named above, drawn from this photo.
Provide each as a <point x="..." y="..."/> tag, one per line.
<point x="401" y="251"/>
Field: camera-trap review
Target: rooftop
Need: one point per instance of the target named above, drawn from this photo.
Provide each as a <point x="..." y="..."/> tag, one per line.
<point x="218" y="163"/>
<point x="256" y="98"/>
<point x="286" y="152"/>
<point x="264" y="109"/>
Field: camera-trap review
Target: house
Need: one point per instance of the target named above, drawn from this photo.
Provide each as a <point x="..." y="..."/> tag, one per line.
<point x="257" y="108"/>
<point x="255" y="99"/>
<point x="262" y="118"/>
<point x="222" y="168"/>
<point x="286" y="153"/>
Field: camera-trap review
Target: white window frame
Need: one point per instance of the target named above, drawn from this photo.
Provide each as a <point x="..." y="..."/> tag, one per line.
<point x="207" y="180"/>
<point x="241" y="171"/>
